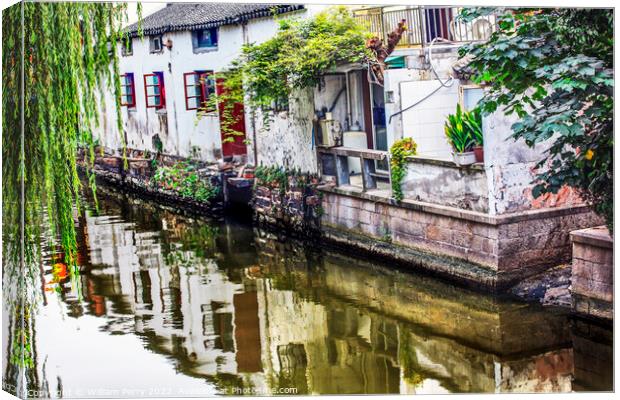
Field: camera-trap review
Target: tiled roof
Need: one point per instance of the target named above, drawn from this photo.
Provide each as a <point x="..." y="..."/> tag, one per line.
<point x="190" y="16"/>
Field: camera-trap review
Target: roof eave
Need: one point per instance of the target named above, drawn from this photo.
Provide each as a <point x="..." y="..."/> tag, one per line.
<point x="241" y="18"/>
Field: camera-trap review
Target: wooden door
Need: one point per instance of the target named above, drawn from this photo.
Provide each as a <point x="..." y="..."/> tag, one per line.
<point x="232" y="144"/>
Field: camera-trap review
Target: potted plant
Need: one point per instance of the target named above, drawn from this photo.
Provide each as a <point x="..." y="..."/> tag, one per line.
<point x="473" y="120"/>
<point x="460" y="138"/>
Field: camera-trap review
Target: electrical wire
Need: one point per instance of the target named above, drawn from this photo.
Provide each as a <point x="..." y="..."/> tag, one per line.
<point x="450" y="81"/>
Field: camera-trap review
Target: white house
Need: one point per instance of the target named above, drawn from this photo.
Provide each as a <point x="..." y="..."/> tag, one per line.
<point x="168" y="72"/>
<point x="173" y="68"/>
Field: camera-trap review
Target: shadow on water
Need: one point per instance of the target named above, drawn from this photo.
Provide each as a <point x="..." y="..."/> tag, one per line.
<point x="170" y="305"/>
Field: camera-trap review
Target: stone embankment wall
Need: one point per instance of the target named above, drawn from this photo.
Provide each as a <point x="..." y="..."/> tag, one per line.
<point x="592" y="275"/>
<point x="294" y="206"/>
<point x="136" y="177"/>
<point x="493" y="251"/>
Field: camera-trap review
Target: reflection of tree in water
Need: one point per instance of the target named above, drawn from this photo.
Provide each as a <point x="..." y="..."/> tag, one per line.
<point x="293" y="364"/>
<point x="408" y="359"/>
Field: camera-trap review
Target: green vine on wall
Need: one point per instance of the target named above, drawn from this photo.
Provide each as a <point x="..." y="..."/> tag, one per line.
<point x="297" y="56"/>
<point x="400" y="150"/>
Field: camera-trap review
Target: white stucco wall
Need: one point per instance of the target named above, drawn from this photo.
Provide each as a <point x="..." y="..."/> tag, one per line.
<point x="183" y="132"/>
<point x="286" y="139"/>
<point x="404" y="87"/>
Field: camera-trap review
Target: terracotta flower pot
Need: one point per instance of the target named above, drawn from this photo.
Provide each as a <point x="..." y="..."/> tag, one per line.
<point x="479" y="152"/>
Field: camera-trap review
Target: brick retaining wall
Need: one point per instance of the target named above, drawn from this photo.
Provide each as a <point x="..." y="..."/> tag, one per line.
<point x="592" y="274"/>
<point x="494" y="251"/>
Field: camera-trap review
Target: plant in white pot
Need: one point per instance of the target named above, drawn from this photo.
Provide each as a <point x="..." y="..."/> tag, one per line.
<point x="473" y="121"/>
<point x="460" y="138"/>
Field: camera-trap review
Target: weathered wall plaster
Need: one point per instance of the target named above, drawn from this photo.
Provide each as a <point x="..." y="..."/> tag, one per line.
<point x="511" y="170"/>
<point x="286" y="139"/>
<point x="444" y="183"/>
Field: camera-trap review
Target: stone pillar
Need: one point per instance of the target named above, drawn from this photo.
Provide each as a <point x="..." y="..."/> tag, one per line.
<point x="592" y="274"/>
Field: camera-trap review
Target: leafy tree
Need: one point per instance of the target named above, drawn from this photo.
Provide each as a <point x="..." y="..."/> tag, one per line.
<point x="296" y="57"/>
<point x="553" y="67"/>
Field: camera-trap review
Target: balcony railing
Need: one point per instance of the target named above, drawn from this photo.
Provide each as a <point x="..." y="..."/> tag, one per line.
<point x="425" y="24"/>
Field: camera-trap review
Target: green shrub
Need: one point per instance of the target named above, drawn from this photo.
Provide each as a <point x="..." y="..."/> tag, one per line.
<point x="182" y="178"/>
<point x="458" y="130"/>
<point x="400" y="150"/>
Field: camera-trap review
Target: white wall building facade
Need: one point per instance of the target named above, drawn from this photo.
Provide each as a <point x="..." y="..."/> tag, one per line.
<point x="183" y="130"/>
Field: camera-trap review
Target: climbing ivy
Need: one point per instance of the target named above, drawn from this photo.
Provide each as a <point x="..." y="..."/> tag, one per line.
<point x="400" y="150"/>
<point x="553" y="68"/>
<point x="296" y="57"/>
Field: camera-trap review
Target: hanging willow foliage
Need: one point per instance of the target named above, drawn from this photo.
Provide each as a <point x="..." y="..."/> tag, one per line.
<point x="57" y="61"/>
<point x="66" y="59"/>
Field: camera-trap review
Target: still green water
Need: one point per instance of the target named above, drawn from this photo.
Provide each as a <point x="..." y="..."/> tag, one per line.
<point x="167" y="305"/>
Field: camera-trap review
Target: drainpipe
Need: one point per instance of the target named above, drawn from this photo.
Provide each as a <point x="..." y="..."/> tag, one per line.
<point x="254" y="145"/>
<point x="349" y="116"/>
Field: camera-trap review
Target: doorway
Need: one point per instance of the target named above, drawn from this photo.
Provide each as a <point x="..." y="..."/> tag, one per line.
<point x="379" y="128"/>
<point x="232" y="144"/>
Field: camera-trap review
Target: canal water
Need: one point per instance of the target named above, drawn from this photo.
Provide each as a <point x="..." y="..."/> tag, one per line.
<point x="168" y="305"/>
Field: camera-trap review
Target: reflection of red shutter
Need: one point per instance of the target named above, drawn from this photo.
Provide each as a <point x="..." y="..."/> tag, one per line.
<point x="247" y="332"/>
<point x="237" y="147"/>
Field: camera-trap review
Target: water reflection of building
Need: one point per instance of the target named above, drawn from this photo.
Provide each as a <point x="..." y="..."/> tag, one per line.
<point x="268" y="315"/>
<point x="182" y="304"/>
<point x="368" y="330"/>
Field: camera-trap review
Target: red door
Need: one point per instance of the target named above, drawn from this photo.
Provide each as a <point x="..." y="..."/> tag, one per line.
<point x="232" y="144"/>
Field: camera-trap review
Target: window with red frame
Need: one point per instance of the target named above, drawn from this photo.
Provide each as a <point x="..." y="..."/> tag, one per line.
<point x="154" y="90"/>
<point x="199" y="86"/>
<point x="128" y="90"/>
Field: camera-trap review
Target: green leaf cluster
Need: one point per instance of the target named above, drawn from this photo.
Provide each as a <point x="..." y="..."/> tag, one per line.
<point x="553" y="68"/>
<point x="463" y="129"/>
<point x="299" y="54"/>
<point x="272" y="176"/>
<point x="400" y="150"/>
<point x="183" y="178"/>
<point x="61" y="51"/>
